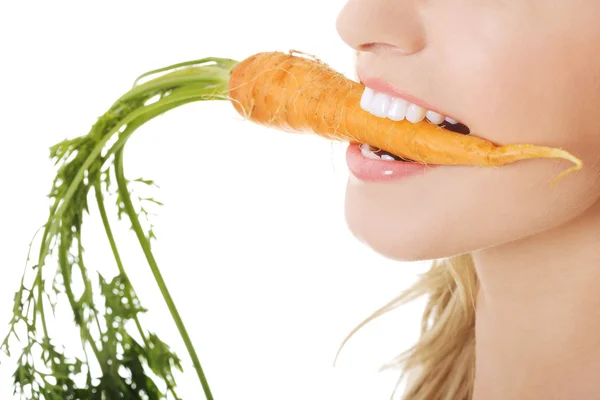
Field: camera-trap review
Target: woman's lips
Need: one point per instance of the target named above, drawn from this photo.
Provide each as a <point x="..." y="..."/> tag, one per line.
<point x="378" y="170"/>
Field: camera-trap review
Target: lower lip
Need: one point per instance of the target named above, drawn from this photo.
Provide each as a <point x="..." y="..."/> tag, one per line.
<point x="371" y="170"/>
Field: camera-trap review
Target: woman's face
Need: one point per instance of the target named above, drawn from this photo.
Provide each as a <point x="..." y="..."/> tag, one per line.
<point x="513" y="71"/>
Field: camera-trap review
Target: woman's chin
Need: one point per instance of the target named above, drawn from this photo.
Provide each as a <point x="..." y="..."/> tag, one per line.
<point x="396" y="226"/>
<point x="406" y="248"/>
<point x="409" y="246"/>
<point x="419" y="233"/>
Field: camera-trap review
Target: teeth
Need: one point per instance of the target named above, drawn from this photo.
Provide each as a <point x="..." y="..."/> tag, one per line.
<point x="397" y="110"/>
<point x="367" y="97"/>
<point x="366" y="151"/>
<point x="385" y="106"/>
<point x="415" y="113"/>
<point x="380" y="105"/>
<point x="369" y="152"/>
<point x="434" y="118"/>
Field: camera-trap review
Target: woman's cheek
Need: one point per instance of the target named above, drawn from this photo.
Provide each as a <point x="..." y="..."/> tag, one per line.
<point x="389" y="230"/>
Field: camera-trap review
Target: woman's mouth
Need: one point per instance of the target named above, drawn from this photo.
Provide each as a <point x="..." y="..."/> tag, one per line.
<point x="373" y="164"/>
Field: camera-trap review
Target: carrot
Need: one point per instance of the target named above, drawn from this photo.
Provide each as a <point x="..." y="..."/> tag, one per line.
<point x="284" y="91"/>
<point x="300" y="94"/>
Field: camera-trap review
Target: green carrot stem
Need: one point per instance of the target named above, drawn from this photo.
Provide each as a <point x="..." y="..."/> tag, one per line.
<point x="117" y="256"/>
<point x="115" y="251"/>
<point x="144" y="243"/>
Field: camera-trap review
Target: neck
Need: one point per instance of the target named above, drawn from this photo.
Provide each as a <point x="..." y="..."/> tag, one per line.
<point x="538" y="315"/>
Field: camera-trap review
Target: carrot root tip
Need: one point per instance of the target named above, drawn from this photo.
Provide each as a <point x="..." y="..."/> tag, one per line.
<point x="560" y="153"/>
<point x="574" y="168"/>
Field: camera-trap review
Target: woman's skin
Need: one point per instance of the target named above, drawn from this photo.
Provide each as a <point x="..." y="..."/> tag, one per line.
<point x="513" y="71"/>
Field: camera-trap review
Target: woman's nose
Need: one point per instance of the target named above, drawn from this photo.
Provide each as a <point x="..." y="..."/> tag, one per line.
<point x="368" y="24"/>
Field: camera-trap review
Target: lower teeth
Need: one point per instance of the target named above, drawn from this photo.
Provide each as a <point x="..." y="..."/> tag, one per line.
<point x="377" y="153"/>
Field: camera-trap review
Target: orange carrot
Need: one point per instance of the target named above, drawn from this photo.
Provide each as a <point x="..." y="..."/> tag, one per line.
<point x="298" y="94"/>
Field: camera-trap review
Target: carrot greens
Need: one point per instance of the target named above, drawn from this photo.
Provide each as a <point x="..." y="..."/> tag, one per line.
<point x="117" y="361"/>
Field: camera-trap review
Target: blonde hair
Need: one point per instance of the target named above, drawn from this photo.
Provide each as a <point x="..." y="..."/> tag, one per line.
<point x="441" y="364"/>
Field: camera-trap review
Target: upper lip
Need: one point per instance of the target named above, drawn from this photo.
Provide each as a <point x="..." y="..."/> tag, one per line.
<point x="382" y="86"/>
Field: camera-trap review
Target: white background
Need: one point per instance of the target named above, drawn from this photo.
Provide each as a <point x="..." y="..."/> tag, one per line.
<point x="252" y="239"/>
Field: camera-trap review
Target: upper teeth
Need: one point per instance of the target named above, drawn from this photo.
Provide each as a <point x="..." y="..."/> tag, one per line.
<point x="385" y="106"/>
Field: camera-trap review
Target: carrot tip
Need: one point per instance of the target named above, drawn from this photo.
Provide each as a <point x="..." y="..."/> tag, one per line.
<point x="559" y="153"/>
<point x="511" y="153"/>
